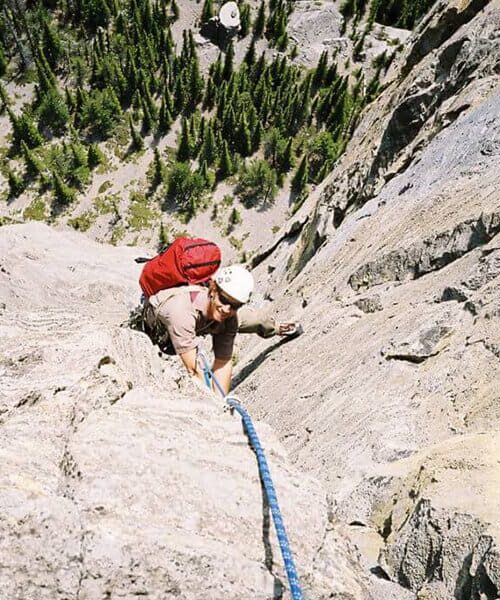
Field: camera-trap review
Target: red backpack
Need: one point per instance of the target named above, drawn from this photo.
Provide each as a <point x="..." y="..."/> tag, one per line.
<point x="185" y="261"/>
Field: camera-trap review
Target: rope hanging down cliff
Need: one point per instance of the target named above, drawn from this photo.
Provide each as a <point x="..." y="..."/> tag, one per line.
<point x="265" y="476"/>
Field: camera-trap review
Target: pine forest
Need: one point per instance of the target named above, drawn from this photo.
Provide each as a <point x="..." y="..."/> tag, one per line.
<point x="111" y="80"/>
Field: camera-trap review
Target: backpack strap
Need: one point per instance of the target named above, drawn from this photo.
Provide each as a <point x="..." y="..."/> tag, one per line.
<point x="162" y="296"/>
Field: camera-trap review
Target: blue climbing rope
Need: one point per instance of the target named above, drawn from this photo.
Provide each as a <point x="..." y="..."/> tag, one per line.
<point x="265" y="476"/>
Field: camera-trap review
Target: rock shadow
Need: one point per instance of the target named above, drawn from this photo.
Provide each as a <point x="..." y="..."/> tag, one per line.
<point x="255" y="364"/>
<point x="268" y="551"/>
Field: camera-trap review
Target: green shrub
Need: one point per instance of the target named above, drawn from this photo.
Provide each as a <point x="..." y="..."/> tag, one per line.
<point x="83" y="222"/>
<point x="257" y="183"/>
<point x="16" y="184"/>
<point x="63" y="194"/>
<point x="53" y="112"/>
<point x="36" y="211"/>
<point x="101" y="112"/>
<point x="185" y="188"/>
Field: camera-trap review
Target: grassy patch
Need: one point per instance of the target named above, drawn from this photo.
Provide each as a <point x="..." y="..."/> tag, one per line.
<point x="140" y="213"/>
<point x="118" y="234"/>
<point x="30" y="75"/>
<point x="236" y="243"/>
<point x="107" y="205"/>
<point x="36" y="211"/>
<point x="121" y="135"/>
<point x="7" y="221"/>
<point x="104" y="186"/>
<point x="103" y="167"/>
<point x="84" y="221"/>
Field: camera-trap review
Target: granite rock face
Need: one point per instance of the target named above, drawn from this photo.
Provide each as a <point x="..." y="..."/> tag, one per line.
<point x="120" y="478"/>
<point x="392" y="392"/>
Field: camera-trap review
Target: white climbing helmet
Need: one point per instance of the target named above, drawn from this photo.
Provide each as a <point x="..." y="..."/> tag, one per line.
<point x="235" y="281"/>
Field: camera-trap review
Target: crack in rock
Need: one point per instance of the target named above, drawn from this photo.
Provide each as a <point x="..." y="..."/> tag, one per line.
<point x="426" y="344"/>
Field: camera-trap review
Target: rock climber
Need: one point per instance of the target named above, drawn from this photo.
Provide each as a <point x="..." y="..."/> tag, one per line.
<point x="175" y="317"/>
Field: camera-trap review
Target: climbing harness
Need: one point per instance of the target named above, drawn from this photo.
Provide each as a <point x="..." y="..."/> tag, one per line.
<point x="265" y="476"/>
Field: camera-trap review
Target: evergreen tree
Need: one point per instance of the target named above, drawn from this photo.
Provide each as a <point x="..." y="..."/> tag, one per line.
<point x="69" y="99"/>
<point x="94" y="156"/>
<point x="320" y="70"/>
<point x="228" y="62"/>
<point x="209" y="97"/>
<point x="147" y="119"/>
<point x="180" y="94"/>
<point x="52" y="45"/>
<point x="250" y="54"/>
<point x="235" y="218"/>
<point x="260" y="21"/>
<point x="24" y="129"/>
<point x="244" y="139"/>
<point x="229" y="125"/>
<point x="95" y="13"/>
<point x="207" y="175"/>
<point x="184" y="148"/>
<point x="81" y="97"/>
<point x="282" y="42"/>
<point x="191" y="44"/>
<point x="74" y="164"/>
<point x="169" y="103"/>
<point x="274" y="146"/>
<point x="148" y="100"/>
<point x="137" y="141"/>
<point x="185" y="187"/>
<point x="196" y="84"/>
<point x="202" y="130"/>
<point x="163" y="238"/>
<point x="101" y="112"/>
<point x="207" y="12"/>
<point x="322" y="155"/>
<point x="287" y="158"/>
<point x="164" y="119"/>
<point x="4" y="99"/>
<point x="46" y="77"/>
<point x="300" y="179"/>
<point x="34" y="166"/>
<point x="244" y="20"/>
<point x="16" y="185"/>
<point x="226" y="164"/>
<point x="158" y="170"/>
<point x="257" y="183"/>
<point x="79" y="155"/>
<point x="193" y="131"/>
<point x="64" y="195"/>
<point x="3" y="62"/>
<point x="216" y="70"/>
<point x="257" y="137"/>
<point x="208" y="152"/>
<point x="175" y="10"/>
<point x="53" y="112"/>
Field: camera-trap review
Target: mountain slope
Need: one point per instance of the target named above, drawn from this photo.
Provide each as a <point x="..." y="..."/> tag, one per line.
<point x="395" y="275"/>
